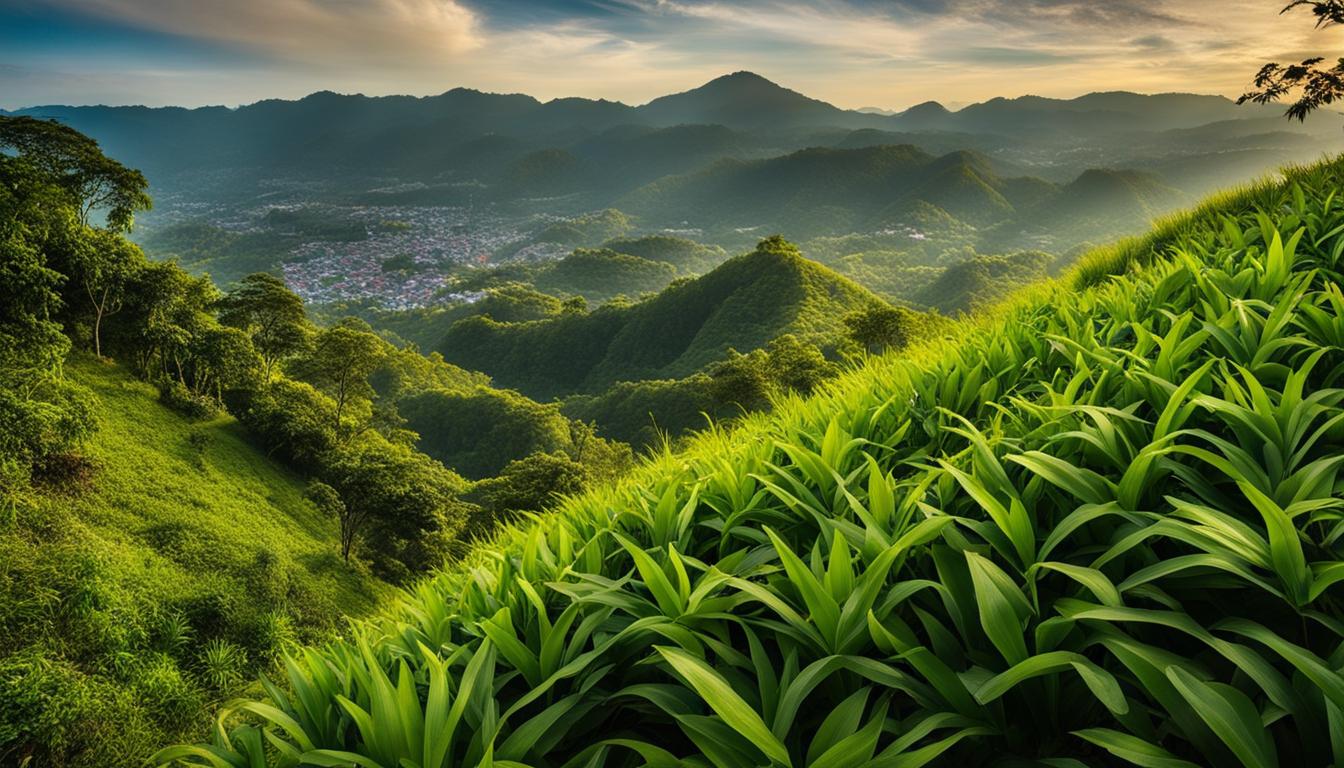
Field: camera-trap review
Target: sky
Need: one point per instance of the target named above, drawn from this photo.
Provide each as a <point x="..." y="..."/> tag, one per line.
<point x="888" y="54"/>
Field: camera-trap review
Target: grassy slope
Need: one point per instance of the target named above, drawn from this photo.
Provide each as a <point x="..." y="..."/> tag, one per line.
<point x="1050" y="419"/>
<point x="234" y="500"/>
<point x="222" y="537"/>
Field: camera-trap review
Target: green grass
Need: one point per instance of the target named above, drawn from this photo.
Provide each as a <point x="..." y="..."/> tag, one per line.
<point x="1102" y="527"/>
<point x="185" y="532"/>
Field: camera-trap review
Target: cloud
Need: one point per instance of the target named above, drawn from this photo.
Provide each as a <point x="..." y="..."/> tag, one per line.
<point x="1154" y="43"/>
<point x="853" y="52"/>
<point x="403" y="33"/>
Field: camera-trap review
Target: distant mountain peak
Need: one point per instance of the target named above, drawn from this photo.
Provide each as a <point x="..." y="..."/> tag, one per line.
<point x="928" y="108"/>
<point x="746" y="100"/>
<point x="742" y="76"/>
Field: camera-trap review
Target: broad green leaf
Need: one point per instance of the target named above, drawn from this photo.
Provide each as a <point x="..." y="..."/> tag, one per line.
<point x="1231" y="715"/>
<point x="720" y="696"/>
<point x="1132" y="749"/>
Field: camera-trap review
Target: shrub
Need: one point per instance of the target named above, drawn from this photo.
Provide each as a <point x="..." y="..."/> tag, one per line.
<point x="199" y="440"/>
<point x="171" y="698"/>
<point x="42" y="702"/>
<point x="223" y="664"/>
<point x="182" y="399"/>
<point x="69" y="471"/>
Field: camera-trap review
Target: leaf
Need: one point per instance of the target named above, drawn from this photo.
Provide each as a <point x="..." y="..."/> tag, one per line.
<point x="720" y="696"/>
<point x="1132" y="748"/>
<point x="1102" y="684"/>
<point x="1001" y="606"/>
<point x="824" y="610"/>
<point x="1088" y="486"/>
<point x="1285" y="547"/>
<point x="1230" y="714"/>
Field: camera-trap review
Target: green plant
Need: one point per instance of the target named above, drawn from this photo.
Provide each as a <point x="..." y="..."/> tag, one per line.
<point x="1103" y="527"/>
<point x="223" y="664"/>
<point x="187" y="402"/>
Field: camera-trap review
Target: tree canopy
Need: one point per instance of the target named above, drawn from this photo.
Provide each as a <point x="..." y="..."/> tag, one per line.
<point x="94" y="181"/>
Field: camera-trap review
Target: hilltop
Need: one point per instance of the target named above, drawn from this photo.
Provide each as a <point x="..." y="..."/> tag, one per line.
<point x="744" y="304"/>
<point x="1101" y="526"/>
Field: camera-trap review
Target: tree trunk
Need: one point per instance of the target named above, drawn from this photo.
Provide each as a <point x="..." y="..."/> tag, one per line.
<point x="98" y="307"/>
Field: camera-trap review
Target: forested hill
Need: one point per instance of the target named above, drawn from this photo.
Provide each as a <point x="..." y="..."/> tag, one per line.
<point x="744" y="303"/>
<point x="835" y="191"/>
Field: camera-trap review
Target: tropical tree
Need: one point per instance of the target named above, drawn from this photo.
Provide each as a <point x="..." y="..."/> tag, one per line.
<point x="271" y="314"/>
<point x="295" y="420"/>
<point x="74" y="162"/>
<point x="41" y="413"/>
<point x="403" y="495"/>
<point x="342" y="358"/>
<point x="797" y="366"/>
<point x="223" y="358"/>
<point x="880" y="327"/>
<point x="1315" y="82"/>
<point x="103" y="264"/>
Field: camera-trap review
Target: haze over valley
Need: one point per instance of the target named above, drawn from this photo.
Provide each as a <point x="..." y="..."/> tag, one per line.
<point x="387" y="201"/>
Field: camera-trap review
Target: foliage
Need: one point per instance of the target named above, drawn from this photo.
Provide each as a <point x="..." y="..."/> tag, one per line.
<point x="478" y="432"/>
<point x="293" y="419"/>
<point x="342" y="358"/>
<point x="1101" y="528"/>
<point x="980" y="282"/>
<point x="108" y="596"/>
<point x="1316" y="86"/>
<point x="91" y="180"/>
<point x="400" y="503"/>
<point x="271" y="314"/>
<point x="528" y="484"/>
<point x="645" y="413"/>
<point x="879" y="328"/>
<point x="182" y="399"/>
<point x="744" y="304"/>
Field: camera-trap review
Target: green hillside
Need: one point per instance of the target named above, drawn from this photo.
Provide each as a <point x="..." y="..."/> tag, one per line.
<point x="130" y="606"/>
<point x="1100" y="528"/>
<point x="600" y="275"/>
<point x="743" y="304"/>
<point x="828" y="192"/>
<point x="982" y="281"/>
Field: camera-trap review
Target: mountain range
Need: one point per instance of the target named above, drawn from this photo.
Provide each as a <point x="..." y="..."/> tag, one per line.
<point x="466" y="134"/>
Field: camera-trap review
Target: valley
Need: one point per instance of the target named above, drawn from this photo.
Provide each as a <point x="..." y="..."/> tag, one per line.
<point x="717" y="426"/>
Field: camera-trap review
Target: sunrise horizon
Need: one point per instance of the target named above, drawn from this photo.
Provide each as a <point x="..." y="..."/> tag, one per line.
<point x="851" y="53"/>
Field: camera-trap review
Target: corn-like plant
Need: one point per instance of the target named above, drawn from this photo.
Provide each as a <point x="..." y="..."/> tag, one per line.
<point x="1104" y="527"/>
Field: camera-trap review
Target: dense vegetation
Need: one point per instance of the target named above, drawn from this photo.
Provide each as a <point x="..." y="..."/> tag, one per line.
<point x="831" y="192"/>
<point x="157" y="582"/>
<point x="153" y="558"/>
<point x="1101" y="527"/>
<point x="744" y="303"/>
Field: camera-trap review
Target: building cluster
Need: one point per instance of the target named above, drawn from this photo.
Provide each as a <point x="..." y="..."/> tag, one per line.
<point x="403" y="262"/>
